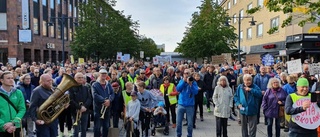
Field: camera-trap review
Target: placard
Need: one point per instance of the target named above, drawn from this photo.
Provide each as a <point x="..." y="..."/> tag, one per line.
<point x="267" y="60"/>
<point x="80" y="60"/>
<point x="119" y="55"/>
<point x="314" y="69"/>
<point x="282" y="52"/>
<point x="155" y="60"/>
<point x="72" y="59"/>
<point x="253" y="59"/>
<point x="218" y="59"/>
<point x="12" y="61"/>
<point x="227" y="57"/>
<point x="308" y="119"/>
<point x="294" y="66"/>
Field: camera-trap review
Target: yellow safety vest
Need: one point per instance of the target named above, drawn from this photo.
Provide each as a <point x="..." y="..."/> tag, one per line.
<point x="146" y="82"/>
<point x="295" y="98"/>
<point x="126" y="98"/>
<point x="172" y="99"/>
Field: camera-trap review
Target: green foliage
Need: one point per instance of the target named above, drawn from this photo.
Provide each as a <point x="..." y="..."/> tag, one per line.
<point x="207" y="34"/>
<point x="149" y="47"/>
<point x="104" y="31"/>
<point x="309" y="8"/>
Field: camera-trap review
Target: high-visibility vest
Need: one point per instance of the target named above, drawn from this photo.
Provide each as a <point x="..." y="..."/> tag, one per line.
<point x="122" y="84"/>
<point x="126" y="98"/>
<point x="295" y="98"/>
<point x="172" y="99"/>
<point x="145" y="82"/>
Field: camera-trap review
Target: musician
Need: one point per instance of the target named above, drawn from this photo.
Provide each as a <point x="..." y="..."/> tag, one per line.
<point x="10" y="113"/>
<point x="80" y="101"/>
<point x="103" y="95"/>
<point x="39" y="96"/>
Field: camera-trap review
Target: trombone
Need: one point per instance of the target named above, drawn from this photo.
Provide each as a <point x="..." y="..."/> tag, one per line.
<point x="78" y="115"/>
<point x="21" y="128"/>
<point x="103" y="111"/>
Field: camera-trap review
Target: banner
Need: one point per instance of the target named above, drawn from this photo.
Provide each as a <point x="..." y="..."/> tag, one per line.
<point x="294" y="66"/>
<point x="164" y="59"/>
<point x="308" y="119"/>
<point x="25" y="14"/>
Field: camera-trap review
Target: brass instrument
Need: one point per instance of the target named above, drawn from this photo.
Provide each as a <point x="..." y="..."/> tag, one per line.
<point x="103" y="111"/>
<point x="21" y="128"/>
<point x="56" y="103"/>
<point x="78" y="116"/>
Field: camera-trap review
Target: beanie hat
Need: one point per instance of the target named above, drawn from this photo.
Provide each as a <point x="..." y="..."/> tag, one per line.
<point x="302" y="82"/>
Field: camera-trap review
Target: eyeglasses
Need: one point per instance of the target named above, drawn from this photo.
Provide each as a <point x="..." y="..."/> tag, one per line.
<point x="113" y="74"/>
<point x="186" y="73"/>
<point x="142" y="73"/>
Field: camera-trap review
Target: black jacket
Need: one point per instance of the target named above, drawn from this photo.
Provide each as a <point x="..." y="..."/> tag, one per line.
<point x="208" y="79"/>
<point x="80" y="94"/>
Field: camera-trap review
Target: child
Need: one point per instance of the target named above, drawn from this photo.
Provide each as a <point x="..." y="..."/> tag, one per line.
<point x="132" y="115"/>
<point x="160" y="118"/>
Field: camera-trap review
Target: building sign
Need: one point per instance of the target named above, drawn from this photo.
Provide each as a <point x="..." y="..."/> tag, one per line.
<point x="50" y="46"/>
<point x="25" y="14"/>
<point x="270" y="46"/>
<point x="308" y="119"/>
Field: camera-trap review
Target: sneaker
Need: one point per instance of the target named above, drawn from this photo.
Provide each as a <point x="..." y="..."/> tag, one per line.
<point x="61" y="134"/>
<point x="232" y="118"/>
<point x="174" y="125"/>
<point x="201" y="118"/>
<point x="209" y="110"/>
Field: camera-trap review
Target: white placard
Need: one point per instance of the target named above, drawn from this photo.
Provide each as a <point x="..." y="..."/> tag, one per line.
<point x="314" y="69"/>
<point x="125" y="57"/>
<point x="308" y="119"/>
<point x="294" y="66"/>
<point x="119" y="55"/>
<point x="25" y="36"/>
<point x="142" y="54"/>
<point x="155" y="60"/>
<point x="282" y="52"/>
<point x="164" y="59"/>
<point x="12" y="61"/>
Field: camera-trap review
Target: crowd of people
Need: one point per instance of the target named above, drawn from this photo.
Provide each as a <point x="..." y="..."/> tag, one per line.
<point x="108" y="92"/>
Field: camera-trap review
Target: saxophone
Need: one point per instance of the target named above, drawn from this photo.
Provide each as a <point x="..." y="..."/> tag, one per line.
<point x="56" y="103"/>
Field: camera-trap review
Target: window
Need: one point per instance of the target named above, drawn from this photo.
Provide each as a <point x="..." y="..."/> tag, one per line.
<point x="59" y="30"/>
<point x="250" y="6"/>
<point x="249" y="33"/>
<point x="234" y="18"/>
<point x="53" y="11"/>
<point x="275" y="22"/>
<point x="241" y="35"/>
<point x="45" y="18"/>
<point x="260" y="3"/>
<point x="234" y="2"/>
<point x="260" y="30"/>
<point x="70" y="34"/>
<point x="229" y="5"/>
<point x="3" y="21"/>
<point x="36" y="17"/>
<point x="3" y="6"/>
<point x="241" y="13"/>
<point x="44" y="28"/>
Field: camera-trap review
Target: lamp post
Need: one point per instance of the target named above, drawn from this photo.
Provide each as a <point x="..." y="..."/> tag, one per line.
<point x="62" y="20"/>
<point x="252" y="23"/>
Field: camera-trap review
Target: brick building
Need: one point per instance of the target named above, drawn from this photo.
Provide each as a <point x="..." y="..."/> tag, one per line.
<point x="46" y="41"/>
<point x="295" y="40"/>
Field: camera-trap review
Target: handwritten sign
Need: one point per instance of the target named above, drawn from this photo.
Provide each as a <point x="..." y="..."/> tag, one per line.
<point x="228" y="57"/>
<point x="294" y="66"/>
<point x="314" y="69"/>
<point x="253" y="59"/>
<point x="219" y="59"/>
<point x="308" y="119"/>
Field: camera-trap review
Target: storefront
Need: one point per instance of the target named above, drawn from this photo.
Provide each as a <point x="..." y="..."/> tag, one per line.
<point x="304" y="46"/>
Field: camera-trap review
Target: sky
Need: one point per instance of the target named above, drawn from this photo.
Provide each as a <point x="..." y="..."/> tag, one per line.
<point x="162" y="20"/>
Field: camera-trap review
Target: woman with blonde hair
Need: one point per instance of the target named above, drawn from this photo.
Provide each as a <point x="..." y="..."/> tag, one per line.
<point x="222" y="98"/>
<point x="274" y="97"/>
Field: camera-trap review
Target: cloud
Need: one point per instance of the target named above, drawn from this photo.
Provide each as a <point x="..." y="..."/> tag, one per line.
<point x="162" y="20"/>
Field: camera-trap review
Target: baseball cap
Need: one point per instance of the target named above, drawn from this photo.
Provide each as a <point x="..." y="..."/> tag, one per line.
<point x="103" y="71"/>
<point x="222" y="70"/>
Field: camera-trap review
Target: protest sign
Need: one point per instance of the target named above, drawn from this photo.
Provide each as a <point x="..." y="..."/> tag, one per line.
<point x="119" y="55"/>
<point x="294" y="66"/>
<point x="155" y="61"/>
<point x="267" y="60"/>
<point x="308" y="119"/>
<point x="80" y="60"/>
<point x="219" y="59"/>
<point x="253" y="59"/>
<point x="227" y="57"/>
<point x="314" y="69"/>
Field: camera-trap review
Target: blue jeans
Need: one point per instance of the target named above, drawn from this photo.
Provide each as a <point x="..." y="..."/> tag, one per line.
<point x="270" y="124"/>
<point x="50" y="130"/>
<point x="189" y="110"/>
<point x="98" y="122"/>
<point x="82" y="123"/>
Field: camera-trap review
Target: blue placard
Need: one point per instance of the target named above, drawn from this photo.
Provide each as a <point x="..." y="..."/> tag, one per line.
<point x="267" y="60"/>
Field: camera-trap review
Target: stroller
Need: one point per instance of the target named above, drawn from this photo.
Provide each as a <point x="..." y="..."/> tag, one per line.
<point x="158" y="119"/>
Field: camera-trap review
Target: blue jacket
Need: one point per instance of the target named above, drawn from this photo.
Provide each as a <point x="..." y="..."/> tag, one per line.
<point x="270" y="104"/>
<point x="251" y="104"/>
<point x="290" y="89"/>
<point x="261" y="81"/>
<point x="187" y="93"/>
<point x="100" y="95"/>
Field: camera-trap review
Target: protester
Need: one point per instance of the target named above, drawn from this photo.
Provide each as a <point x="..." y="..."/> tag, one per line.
<point x="132" y="115"/>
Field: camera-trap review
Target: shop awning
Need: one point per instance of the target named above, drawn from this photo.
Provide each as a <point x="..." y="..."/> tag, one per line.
<point x="292" y="51"/>
<point x="312" y="51"/>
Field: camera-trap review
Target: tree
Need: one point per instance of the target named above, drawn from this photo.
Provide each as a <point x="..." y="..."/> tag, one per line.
<point x="308" y="10"/>
<point x="207" y="34"/>
<point x="149" y="47"/>
<point x="104" y="31"/>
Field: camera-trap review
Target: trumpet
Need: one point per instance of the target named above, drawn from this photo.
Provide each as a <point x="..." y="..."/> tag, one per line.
<point x="103" y="111"/>
<point x="78" y="116"/>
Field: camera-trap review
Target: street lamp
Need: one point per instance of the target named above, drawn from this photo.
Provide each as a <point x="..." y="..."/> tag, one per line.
<point x="252" y="23"/>
<point x="62" y="20"/>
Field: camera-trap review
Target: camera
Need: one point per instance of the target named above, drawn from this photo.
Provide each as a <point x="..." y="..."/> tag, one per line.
<point x="190" y="79"/>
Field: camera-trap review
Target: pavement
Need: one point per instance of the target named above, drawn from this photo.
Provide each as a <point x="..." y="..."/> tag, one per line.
<point x="206" y="128"/>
